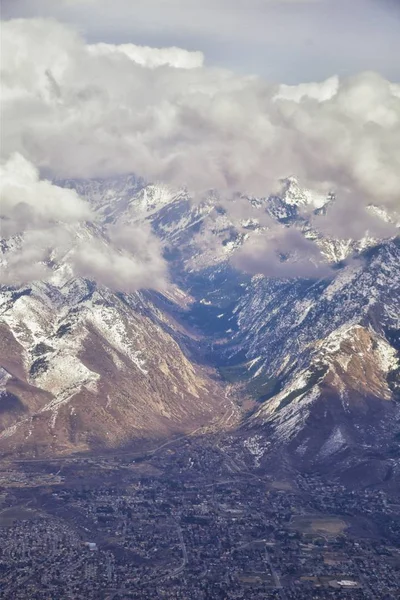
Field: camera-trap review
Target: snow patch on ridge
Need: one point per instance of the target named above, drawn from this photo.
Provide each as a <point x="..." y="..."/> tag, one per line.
<point x="106" y="320"/>
<point x="387" y="355"/>
<point x="333" y="444"/>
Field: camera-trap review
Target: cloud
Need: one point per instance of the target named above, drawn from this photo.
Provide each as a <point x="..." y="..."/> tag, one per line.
<point x="290" y="41"/>
<point x="318" y="91"/>
<point x="151" y="57"/>
<point x="282" y="252"/>
<point x="120" y="270"/>
<point x="44" y="226"/>
<point x="28" y="203"/>
<point x="81" y="110"/>
<point x="79" y="113"/>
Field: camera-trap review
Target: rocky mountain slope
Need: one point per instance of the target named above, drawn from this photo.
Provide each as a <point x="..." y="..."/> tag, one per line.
<point x="83" y="367"/>
<point x="323" y="360"/>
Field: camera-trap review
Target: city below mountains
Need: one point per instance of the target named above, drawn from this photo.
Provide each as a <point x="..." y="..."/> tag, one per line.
<point x="292" y="372"/>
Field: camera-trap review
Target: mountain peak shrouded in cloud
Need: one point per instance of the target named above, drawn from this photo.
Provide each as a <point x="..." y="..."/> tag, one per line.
<point x="284" y="253"/>
<point x="47" y="228"/>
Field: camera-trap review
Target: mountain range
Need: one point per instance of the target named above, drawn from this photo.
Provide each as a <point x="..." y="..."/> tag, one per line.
<point x="297" y="370"/>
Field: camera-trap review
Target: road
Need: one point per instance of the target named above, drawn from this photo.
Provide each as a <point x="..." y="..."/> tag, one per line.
<point x="275" y="575"/>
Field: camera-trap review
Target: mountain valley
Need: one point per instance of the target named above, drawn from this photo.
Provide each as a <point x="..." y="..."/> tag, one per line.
<point x="309" y="364"/>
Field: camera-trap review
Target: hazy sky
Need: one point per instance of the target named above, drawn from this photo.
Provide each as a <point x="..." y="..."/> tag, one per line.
<point x="284" y="40"/>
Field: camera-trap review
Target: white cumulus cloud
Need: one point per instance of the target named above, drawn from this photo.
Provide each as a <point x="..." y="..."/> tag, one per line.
<point x="151" y="57"/>
<point x="81" y="113"/>
<point x="74" y="109"/>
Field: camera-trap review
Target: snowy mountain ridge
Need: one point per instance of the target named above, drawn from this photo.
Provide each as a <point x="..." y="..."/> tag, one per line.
<point x="84" y="367"/>
<point x="94" y="365"/>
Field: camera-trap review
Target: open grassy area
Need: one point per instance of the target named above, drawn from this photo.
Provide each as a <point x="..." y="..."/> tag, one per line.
<point x="323" y="525"/>
<point x="16" y="513"/>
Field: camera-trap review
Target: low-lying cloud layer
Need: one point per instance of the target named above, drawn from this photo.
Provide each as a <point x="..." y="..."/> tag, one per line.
<point x="282" y="252"/>
<point x="47" y="225"/>
<point x="74" y="109"/>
